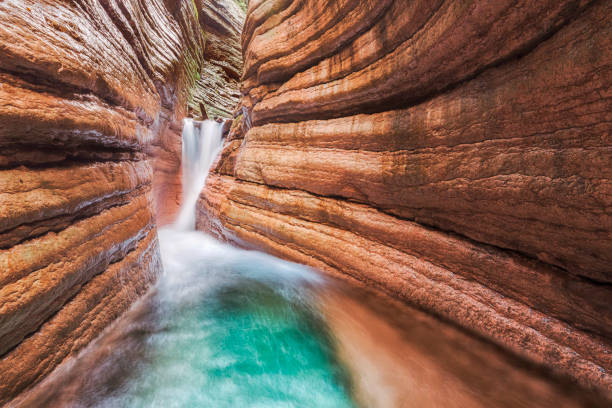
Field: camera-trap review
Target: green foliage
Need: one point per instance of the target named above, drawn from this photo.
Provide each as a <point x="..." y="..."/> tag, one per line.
<point x="237" y="122"/>
<point x="195" y="9"/>
<point x="243" y="4"/>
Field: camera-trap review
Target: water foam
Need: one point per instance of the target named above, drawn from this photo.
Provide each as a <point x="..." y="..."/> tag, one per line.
<point x="201" y="145"/>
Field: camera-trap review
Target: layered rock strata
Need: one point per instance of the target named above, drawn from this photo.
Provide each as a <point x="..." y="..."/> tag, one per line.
<point x="92" y="96"/>
<point x="218" y="85"/>
<point x="454" y="154"/>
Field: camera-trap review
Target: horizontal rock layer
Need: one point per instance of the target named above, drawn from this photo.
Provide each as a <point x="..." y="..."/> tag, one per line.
<point x="455" y="154"/>
<point x="92" y="96"/>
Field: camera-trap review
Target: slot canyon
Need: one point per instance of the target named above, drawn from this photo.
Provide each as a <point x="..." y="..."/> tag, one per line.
<point x="307" y="203"/>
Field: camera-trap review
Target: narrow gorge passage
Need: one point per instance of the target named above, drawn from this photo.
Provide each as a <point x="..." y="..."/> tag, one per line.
<point x="305" y="203"/>
<point x="226" y="327"/>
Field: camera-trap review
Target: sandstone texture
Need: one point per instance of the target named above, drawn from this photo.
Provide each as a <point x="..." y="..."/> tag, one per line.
<point x="92" y="96"/>
<point x="454" y="154"/>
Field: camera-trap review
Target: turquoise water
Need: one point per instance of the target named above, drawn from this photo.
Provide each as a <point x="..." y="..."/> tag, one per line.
<point x="232" y="328"/>
<point x="225" y="327"/>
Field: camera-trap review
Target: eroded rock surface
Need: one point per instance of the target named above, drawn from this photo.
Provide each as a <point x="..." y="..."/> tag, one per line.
<point x="218" y="85"/>
<point x="454" y="154"/>
<point x="92" y="96"/>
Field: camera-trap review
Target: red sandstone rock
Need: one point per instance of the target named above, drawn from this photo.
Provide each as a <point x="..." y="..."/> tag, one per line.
<point x="97" y="304"/>
<point x="92" y="96"/>
<point x="456" y="155"/>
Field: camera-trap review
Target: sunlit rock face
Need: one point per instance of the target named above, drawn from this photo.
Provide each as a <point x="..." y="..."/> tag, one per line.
<point x="455" y="154"/>
<point x="92" y="96"/>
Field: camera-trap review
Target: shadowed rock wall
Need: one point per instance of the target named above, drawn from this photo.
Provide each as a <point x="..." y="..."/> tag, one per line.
<point x="92" y="96"/>
<point x="456" y="154"/>
<point x="219" y="83"/>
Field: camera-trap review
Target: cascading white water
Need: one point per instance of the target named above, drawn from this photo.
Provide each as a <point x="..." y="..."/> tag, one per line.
<point x="200" y="148"/>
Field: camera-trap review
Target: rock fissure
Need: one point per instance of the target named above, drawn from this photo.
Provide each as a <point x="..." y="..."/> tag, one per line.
<point x="33" y="230"/>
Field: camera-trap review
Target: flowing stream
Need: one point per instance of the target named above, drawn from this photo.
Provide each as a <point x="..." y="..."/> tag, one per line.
<point x="225" y="327"/>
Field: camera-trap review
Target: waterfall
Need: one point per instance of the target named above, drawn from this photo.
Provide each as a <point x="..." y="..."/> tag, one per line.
<point x="201" y="145"/>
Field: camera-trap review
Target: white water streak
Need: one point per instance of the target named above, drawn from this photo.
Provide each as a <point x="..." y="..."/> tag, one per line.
<point x="200" y="148"/>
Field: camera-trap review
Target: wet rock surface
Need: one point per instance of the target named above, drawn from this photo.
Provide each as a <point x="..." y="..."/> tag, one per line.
<point x="456" y="155"/>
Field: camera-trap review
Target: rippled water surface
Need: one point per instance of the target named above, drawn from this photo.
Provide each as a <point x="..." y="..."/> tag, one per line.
<point x="233" y="329"/>
<point x="223" y="328"/>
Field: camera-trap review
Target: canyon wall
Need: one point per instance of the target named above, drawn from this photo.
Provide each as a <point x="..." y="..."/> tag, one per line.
<point x="455" y="154"/>
<point x="92" y="96"/>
